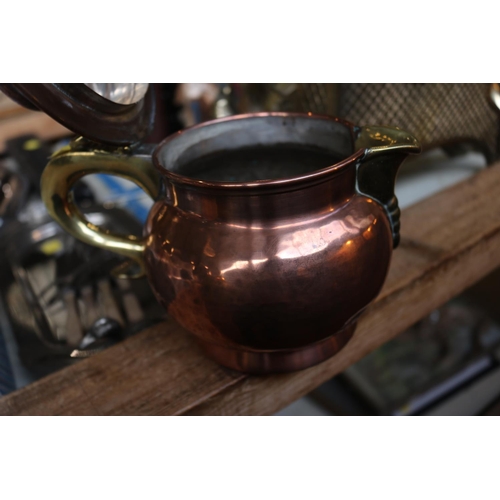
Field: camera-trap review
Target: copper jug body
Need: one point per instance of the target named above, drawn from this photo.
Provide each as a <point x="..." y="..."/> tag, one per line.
<point x="269" y="274"/>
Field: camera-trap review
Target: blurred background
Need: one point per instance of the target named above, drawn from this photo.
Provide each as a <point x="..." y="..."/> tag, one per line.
<point x="59" y="304"/>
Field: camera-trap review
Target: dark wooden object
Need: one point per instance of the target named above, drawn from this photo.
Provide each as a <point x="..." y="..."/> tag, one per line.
<point x="449" y="242"/>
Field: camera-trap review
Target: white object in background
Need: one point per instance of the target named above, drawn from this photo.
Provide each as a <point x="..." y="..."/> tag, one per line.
<point x="121" y="93"/>
<point x="303" y="407"/>
<point x="425" y="175"/>
<point x="473" y="399"/>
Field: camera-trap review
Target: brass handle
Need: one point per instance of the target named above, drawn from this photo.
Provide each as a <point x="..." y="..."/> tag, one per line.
<point x="66" y="167"/>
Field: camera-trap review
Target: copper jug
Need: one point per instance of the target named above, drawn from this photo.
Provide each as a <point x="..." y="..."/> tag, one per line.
<point x="270" y="234"/>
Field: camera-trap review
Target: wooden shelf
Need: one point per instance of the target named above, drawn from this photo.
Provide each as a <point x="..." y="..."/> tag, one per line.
<point x="449" y="242"/>
<point x="16" y="121"/>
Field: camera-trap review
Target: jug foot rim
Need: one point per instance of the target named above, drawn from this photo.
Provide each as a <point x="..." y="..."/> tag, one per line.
<point x="261" y="362"/>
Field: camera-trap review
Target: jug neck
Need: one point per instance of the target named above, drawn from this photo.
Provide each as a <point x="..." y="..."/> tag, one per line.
<point x="261" y="203"/>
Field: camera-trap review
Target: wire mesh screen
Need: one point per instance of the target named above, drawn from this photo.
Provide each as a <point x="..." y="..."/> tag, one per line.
<point x="436" y="113"/>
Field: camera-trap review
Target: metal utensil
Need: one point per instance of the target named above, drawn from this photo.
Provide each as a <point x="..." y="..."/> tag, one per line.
<point x="102" y="334"/>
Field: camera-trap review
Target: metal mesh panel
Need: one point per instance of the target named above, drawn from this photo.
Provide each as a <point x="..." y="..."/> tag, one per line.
<point x="436" y="113"/>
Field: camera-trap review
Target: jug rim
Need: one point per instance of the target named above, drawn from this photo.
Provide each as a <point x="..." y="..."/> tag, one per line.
<point x="285" y="182"/>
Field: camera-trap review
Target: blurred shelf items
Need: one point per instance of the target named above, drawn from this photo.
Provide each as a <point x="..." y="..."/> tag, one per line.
<point x="60" y="303"/>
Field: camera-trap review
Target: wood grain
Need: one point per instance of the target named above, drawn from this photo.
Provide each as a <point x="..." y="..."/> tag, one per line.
<point x="160" y="371"/>
<point x="449" y="242"/>
<point x="30" y="122"/>
<point x="8" y="107"/>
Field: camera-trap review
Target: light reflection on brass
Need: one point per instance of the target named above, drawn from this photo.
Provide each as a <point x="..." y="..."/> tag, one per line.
<point x="66" y="168"/>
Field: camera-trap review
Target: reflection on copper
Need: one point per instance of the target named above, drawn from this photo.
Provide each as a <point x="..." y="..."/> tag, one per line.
<point x="161" y="212"/>
<point x="243" y="264"/>
<point x="301" y="244"/>
<point x="280" y="225"/>
<point x="258" y="261"/>
<point x="239" y="264"/>
<point x="279" y="284"/>
<point x="173" y="193"/>
<point x="208" y="250"/>
<point x="368" y="233"/>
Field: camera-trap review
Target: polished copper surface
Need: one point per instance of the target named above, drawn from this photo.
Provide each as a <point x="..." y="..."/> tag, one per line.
<point x="280" y="360"/>
<point x="274" y="271"/>
<point x="269" y="274"/>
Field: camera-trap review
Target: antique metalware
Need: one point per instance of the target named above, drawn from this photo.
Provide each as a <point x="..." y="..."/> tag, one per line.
<point x="270" y="273"/>
<point x="270" y="234"/>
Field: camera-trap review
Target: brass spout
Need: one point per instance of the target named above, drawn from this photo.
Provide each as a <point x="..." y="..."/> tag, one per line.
<point x="385" y="149"/>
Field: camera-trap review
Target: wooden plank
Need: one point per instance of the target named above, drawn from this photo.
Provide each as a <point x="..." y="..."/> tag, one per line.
<point x="8" y="107"/>
<point x="30" y="122"/>
<point x="160" y="371"/>
<point x="449" y="242"/>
